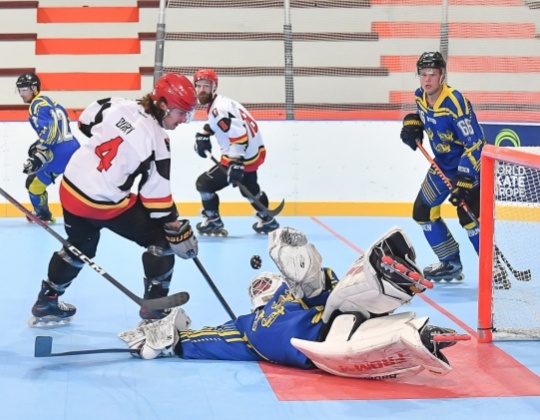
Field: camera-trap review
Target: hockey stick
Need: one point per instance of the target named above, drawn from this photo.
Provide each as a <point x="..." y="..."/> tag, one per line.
<point x="524" y="275"/>
<point x="43" y="348"/>
<point x="255" y="200"/>
<point x="214" y="288"/>
<point x="160" y="303"/>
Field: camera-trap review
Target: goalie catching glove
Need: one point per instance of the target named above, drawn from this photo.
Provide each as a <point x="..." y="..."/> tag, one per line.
<point x="413" y="130"/>
<point x="182" y="240"/>
<point x="298" y="261"/>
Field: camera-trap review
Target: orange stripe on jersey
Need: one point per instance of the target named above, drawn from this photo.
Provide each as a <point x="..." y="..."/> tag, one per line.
<point x="163" y="203"/>
<point x="243" y="139"/>
<point x="250" y="164"/>
<point x="77" y="203"/>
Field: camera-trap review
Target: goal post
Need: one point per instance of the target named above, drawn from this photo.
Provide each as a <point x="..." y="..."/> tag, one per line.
<point x="509" y="236"/>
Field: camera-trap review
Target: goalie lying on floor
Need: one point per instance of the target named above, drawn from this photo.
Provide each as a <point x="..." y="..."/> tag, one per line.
<point x="306" y="318"/>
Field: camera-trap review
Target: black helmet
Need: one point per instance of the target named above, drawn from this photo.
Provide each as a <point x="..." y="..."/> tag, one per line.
<point x="29" y="80"/>
<point x="432" y="60"/>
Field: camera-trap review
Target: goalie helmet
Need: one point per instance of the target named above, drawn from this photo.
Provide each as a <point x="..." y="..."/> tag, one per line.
<point x="28" y="80"/>
<point x="177" y="91"/>
<point x="431" y="60"/>
<point x="262" y="287"/>
<point x="206" y="74"/>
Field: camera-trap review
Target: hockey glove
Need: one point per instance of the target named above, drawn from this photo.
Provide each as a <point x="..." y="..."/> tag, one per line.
<point x="36" y="162"/>
<point x="182" y="241"/>
<point x="463" y="186"/>
<point x="236" y="172"/>
<point x="202" y="144"/>
<point x="413" y="130"/>
<point x="34" y="147"/>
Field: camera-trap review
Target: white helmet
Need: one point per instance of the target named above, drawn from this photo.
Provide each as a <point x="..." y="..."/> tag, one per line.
<point x="262" y="287"/>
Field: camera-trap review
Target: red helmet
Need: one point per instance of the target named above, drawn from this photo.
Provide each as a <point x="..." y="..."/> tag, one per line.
<point x="177" y="91"/>
<point x="206" y="74"/>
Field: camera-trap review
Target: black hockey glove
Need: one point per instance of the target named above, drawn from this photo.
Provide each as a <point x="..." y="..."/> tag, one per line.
<point x="202" y="144"/>
<point x="463" y="185"/>
<point x="413" y="130"/>
<point x="34" y="147"/>
<point x="236" y="172"/>
<point x="36" y="162"/>
<point x="182" y="241"/>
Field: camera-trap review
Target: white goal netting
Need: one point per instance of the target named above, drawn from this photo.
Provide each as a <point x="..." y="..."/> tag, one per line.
<point x="355" y="59"/>
<point x="516" y="213"/>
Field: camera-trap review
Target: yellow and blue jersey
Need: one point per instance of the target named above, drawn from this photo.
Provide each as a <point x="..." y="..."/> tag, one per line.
<point x="265" y="334"/>
<point x="455" y="136"/>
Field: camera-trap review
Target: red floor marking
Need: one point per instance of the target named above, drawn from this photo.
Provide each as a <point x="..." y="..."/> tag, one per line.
<point x="479" y="370"/>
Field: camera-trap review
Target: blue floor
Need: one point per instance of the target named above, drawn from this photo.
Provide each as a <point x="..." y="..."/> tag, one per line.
<point x="107" y="386"/>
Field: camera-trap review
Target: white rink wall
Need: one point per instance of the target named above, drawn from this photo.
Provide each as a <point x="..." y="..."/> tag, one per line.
<point x="307" y="161"/>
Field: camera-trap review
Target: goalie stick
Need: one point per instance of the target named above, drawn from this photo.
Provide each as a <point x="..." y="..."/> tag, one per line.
<point x="521" y="275"/>
<point x="43" y="348"/>
<point x="166" y="302"/>
<point x="255" y="200"/>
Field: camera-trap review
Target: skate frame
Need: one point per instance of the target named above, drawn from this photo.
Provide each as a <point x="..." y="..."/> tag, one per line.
<point x="255" y="200"/>
<point x="166" y="302"/>
<point x="524" y="275"/>
<point x="43" y="348"/>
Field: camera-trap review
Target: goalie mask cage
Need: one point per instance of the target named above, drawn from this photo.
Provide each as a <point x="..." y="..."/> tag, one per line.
<point x="355" y="59"/>
<point x="510" y="237"/>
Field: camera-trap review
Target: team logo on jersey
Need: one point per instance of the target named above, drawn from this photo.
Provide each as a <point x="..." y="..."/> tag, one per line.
<point x="224" y="124"/>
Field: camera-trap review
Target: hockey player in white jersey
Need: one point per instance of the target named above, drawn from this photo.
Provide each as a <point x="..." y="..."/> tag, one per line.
<point x="242" y="153"/>
<point x="127" y="143"/>
<point x="305" y="318"/>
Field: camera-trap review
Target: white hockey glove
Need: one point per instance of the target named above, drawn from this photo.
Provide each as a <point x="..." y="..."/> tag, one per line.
<point x="369" y="289"/>
<point x="158" y="338"/>
<point x="182" y="240"/>
<point x="298" y="260"/>
<point x="389" y="347"/>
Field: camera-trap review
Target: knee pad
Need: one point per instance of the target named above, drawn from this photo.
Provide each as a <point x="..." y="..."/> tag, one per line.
<point x="35" y="186"/>
<point x="422" y="213"/>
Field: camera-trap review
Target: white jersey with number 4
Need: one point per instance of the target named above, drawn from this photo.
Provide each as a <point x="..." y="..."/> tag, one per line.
<point x="237" y="132"/>
<point x="125" y="144"/>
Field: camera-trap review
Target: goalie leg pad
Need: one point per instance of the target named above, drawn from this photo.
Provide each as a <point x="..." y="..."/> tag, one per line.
<point x="298" y="260"/>
<point x="387" y="347"/>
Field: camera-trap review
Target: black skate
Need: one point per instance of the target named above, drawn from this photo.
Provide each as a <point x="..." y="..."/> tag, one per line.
<point x="49" y="311"/>
<point x="500" y="278"/>
<point x="44" y="214"/>
<point x="212" y="226"/>
<point x="437" y="338"/>
<point x="265" y="224"/>
<point x="445" y="270"/>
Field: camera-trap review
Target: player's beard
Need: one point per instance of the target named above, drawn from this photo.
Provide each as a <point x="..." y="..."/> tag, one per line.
<point x="204" y="98"/>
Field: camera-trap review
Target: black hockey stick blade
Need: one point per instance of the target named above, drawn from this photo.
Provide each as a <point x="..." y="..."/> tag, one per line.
<point x="521" y="275"/>
<point x="43" y="348"/>
<point x="177" y="299"/>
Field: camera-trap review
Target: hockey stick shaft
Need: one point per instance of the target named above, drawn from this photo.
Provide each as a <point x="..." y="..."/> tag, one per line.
<point x="262" y="208"/>
<point x="43" y="348"/>
<point x="214" y="288"/>
<point x="524" y="275"/>
<point x="160" y="303"/>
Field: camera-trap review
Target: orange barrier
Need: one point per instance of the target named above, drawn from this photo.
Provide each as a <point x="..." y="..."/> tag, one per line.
<point x="88" y="46"/>
<point x="90" y="81"/>
<point x="87" y="14"/>
<point x="455" y="30"/>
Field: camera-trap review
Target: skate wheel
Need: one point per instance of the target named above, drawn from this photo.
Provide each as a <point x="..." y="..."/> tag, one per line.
<point x="34" y="322"/>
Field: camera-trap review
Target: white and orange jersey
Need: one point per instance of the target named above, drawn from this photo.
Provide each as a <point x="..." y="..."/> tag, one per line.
<point x="125" y="143"/>
<point x="237" y="132"/>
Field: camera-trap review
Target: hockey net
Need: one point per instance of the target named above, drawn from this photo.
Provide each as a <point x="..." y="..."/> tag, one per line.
<point x="355" y="59"/>
<point x="510" y="237"/>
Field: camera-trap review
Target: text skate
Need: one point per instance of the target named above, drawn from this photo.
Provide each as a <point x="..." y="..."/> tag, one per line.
<point x="446" y="270"/>
<point x="500" y="278"/>
<point x="212" y="226"/>
<point x="49" y="311"/>
<point x="265" y="224"/>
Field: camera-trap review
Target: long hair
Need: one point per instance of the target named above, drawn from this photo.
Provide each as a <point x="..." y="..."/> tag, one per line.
<point x="152" y="108"/>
